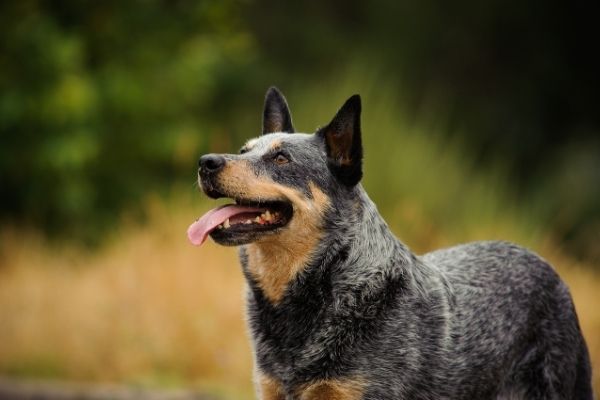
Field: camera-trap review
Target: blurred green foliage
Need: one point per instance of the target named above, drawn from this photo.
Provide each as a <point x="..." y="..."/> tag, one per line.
<point x="104" y="102"/>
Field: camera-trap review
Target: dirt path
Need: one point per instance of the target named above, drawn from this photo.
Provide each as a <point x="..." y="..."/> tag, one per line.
<point x="33" y="390"/>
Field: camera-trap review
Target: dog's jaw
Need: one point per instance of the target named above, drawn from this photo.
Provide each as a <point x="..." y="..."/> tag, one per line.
<point x="241" y="223"/>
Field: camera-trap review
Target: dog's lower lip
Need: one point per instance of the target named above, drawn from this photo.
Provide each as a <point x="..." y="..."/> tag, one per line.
<point x="214" y="194"/>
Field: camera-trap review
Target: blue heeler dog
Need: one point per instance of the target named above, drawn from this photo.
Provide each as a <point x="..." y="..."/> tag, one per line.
<point x="339" y="308"/>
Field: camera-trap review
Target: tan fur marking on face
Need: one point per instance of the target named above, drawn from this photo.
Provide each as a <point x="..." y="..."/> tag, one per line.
<point x="336" y="389"/>
<point x="275" y="144"/>
<point x="320" y="199"/>
<point x="276" y="259"/>
<point x="269" y="388"/>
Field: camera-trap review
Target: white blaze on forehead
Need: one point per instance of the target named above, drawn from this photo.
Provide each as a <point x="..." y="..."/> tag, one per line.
<point x="265" y="142"/>
<point x="251" y="143"/>
<point x="271" y="141"/>
<point x="259" y="144"/>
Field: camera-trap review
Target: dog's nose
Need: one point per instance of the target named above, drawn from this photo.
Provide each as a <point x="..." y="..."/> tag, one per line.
<point x="211" y="163"/>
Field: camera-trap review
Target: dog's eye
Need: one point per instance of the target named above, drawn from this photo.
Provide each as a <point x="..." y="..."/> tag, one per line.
<point x="280" y="159"/>
<point x="243" y="150"/>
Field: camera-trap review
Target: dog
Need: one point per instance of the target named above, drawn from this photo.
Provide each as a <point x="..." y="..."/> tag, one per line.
<point x="339" y="308"/>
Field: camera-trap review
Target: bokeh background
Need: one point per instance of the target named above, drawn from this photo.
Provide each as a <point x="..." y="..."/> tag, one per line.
<point x="480" y="120"/>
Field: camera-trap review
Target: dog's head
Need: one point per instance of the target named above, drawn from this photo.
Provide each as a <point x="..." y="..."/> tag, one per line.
<point x="282" y="182"/>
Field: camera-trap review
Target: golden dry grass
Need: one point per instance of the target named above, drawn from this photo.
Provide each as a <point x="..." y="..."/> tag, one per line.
<point x="151" y="309"/>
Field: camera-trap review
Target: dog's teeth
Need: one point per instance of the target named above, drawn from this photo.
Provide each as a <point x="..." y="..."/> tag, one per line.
<point x="268" y="215"/>
<point x="226" y="224"/>
<point x="220" y="226"/>
<point x="257" y="219"/>
<point x="248" y="221"/>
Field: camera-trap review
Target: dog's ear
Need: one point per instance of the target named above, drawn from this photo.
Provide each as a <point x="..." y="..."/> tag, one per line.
<point x="276" y="115"/>
<point x="343" y="142"/>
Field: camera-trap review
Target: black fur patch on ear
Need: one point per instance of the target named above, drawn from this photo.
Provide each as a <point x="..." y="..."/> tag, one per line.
<point x="343" y="142"/>
<point x="276" y="115"/>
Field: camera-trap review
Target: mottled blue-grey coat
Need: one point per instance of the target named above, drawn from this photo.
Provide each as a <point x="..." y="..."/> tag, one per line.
<point x="361" y="316"/>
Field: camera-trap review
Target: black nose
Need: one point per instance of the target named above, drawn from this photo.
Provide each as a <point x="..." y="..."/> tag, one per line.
<point x="211" y="163"/>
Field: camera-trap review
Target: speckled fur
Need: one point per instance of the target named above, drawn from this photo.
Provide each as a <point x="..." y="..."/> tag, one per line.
<point x="485" y="320"/>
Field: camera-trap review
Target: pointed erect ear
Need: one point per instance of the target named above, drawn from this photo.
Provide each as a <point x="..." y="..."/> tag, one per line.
<point x="343" y="142"/>
<point x="276" y="116"/>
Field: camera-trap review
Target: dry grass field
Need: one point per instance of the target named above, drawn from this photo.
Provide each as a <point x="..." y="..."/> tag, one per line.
<point x="151" y="310"/>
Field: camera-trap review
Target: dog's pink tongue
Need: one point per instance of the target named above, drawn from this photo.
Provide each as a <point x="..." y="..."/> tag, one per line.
<point x="199" y="230"/>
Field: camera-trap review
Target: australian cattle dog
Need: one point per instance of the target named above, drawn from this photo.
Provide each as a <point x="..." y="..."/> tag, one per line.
<point x="339" y="308"/>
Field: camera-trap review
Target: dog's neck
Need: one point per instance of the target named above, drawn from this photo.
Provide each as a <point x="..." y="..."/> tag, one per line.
<point x="373" y="250"/>
<point x="373" y="240"/>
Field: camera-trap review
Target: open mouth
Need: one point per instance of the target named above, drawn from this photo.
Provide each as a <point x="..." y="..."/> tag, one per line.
<point x="242" y="222"/>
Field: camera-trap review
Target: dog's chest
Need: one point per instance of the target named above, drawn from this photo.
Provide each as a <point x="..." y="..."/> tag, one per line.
<point x="299" y="338"/>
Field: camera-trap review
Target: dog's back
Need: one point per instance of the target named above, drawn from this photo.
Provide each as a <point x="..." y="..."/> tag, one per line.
<point x="513" y="323"/>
